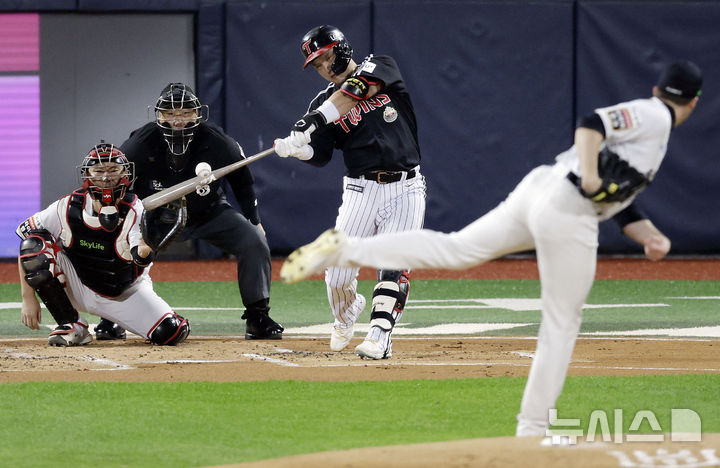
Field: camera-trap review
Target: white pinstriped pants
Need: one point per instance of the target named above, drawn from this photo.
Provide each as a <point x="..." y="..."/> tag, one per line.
<point x="369" y="208"/>
<point x="545" y="212"/>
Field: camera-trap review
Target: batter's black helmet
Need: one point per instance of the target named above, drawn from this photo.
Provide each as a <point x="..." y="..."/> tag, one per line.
<point x="320" y="39"/>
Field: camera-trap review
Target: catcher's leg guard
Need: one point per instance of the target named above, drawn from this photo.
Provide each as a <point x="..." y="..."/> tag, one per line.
<point x="171" y="330"/>
<point x="38" y="260"/>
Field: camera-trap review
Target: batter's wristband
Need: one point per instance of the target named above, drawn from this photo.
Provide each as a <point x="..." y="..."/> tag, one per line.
<point x="329" y="111"/>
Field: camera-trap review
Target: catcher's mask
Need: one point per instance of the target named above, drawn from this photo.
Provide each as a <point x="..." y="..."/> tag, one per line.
<point x="319" y="40"/>
<point x="178" y="112"/>
<point x="107" y="174"/>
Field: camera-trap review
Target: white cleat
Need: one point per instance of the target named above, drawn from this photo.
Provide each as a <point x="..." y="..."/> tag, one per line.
<point x="373" y="349"/>
<point x="70" y="334"/>
<point x="340" y="337"/>
<point x="313" y="257"/>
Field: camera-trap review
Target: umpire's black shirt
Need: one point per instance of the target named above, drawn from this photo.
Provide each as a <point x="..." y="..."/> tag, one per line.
<point x="147" y="148"/>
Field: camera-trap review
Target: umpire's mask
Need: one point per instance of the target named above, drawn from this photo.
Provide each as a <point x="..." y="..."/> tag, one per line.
<point x="178" y="112"/>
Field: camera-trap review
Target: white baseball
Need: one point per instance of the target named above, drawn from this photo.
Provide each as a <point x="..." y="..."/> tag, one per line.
<point x="203" y="169"/>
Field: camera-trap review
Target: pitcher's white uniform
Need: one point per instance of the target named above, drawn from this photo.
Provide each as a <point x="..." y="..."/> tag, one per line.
<point x="138" y="308"/>
<point x="545" y="212"/>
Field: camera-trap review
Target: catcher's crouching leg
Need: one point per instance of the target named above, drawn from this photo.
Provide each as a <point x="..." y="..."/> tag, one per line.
<point x="39" y="262"/>
<point x="172" y="329"/>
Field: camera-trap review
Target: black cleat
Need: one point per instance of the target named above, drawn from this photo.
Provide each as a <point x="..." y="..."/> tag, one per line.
<point x="260" y="326"/>
<point x="107" y="330"/>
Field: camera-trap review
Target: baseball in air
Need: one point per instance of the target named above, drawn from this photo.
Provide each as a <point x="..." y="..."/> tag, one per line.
<point x="203" y="169"/>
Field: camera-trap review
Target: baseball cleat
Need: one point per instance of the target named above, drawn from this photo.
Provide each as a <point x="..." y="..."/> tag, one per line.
<point x="313" y="257"/>
<point x="373" y="349"/>
<point x="340" y="337"/>
<point x="262" y="327"/>
<point x="107" y="330"/>
<point x="70" y="334"/>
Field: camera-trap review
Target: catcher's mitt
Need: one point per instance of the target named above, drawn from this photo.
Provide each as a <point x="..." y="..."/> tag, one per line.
<point x="161" y="225"/>
<point x="620" y="181"/>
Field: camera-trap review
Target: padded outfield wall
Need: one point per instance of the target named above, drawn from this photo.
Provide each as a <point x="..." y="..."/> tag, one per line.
<point x="497" y="87"/>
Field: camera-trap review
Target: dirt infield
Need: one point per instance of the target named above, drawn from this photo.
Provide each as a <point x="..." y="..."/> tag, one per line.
<point x="308" y="358"/>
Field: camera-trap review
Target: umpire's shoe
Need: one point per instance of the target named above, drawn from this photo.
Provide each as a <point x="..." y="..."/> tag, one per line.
<point x="107" y="330"/>
<point x="259" y="326"/>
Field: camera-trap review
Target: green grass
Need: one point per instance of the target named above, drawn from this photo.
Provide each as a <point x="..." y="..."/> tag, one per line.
<point x="202" y="423"/>
<point x="306" y="304"/>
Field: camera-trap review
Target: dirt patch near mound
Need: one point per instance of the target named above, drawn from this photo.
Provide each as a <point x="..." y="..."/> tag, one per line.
<point x="512" y="452"/>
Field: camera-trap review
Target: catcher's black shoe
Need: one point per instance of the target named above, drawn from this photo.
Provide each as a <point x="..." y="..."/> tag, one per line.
<point x="259" y="326"/>
<point x="107" y="330"/>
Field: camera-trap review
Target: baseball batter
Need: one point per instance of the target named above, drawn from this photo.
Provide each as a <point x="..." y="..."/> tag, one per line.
<point x="367" y="113"/>
<point x="555" y="210"/>
<point x="168" y="151"/>
<point x="85" y="252"/>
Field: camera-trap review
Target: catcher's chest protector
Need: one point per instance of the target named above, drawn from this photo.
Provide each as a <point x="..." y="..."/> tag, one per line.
<point x="94" y="251"/>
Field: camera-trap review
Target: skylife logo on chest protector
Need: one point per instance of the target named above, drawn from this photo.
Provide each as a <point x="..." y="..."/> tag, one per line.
<point x="91" y="245"/>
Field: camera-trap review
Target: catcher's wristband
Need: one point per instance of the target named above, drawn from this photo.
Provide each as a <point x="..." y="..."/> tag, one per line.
<point x="140" y="261"/>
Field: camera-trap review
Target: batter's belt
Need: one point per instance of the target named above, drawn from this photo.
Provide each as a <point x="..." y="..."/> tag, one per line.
<point x="387" y="177"/>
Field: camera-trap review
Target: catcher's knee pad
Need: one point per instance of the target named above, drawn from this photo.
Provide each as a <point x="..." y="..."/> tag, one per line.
<point x="38" y="258"/>
<point x="171" y="330"/>
<point x="389" y="298"/>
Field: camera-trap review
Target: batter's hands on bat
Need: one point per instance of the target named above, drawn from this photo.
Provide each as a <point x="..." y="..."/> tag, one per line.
<point x="307" y="124"/>
<point x="287" y="147"/>
<point x="30" y="313"/>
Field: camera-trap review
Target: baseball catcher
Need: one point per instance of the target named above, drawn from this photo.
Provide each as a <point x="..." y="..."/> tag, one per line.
<point x="85" y="251"/>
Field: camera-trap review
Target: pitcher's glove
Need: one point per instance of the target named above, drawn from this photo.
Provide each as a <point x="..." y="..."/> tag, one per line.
<point x="161" y="225"/>
<point x="620" y="181"/>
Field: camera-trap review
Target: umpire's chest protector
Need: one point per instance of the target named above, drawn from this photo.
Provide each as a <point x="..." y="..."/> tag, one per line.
<point x="101" y="259"/>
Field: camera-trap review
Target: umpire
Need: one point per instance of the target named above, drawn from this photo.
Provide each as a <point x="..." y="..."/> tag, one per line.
<point x="165" y="152"/>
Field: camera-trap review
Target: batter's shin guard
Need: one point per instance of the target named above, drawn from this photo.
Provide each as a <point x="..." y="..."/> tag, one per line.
<point x="389" y="298"/>
<point x="37" y="258"/>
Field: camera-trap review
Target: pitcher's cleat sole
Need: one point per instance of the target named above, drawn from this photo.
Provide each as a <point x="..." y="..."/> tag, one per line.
<point x="311" y="258"/>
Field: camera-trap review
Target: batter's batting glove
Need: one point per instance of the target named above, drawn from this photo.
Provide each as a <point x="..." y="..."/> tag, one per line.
<point x="286" y="147"/>
<point x="307" y="124"/>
